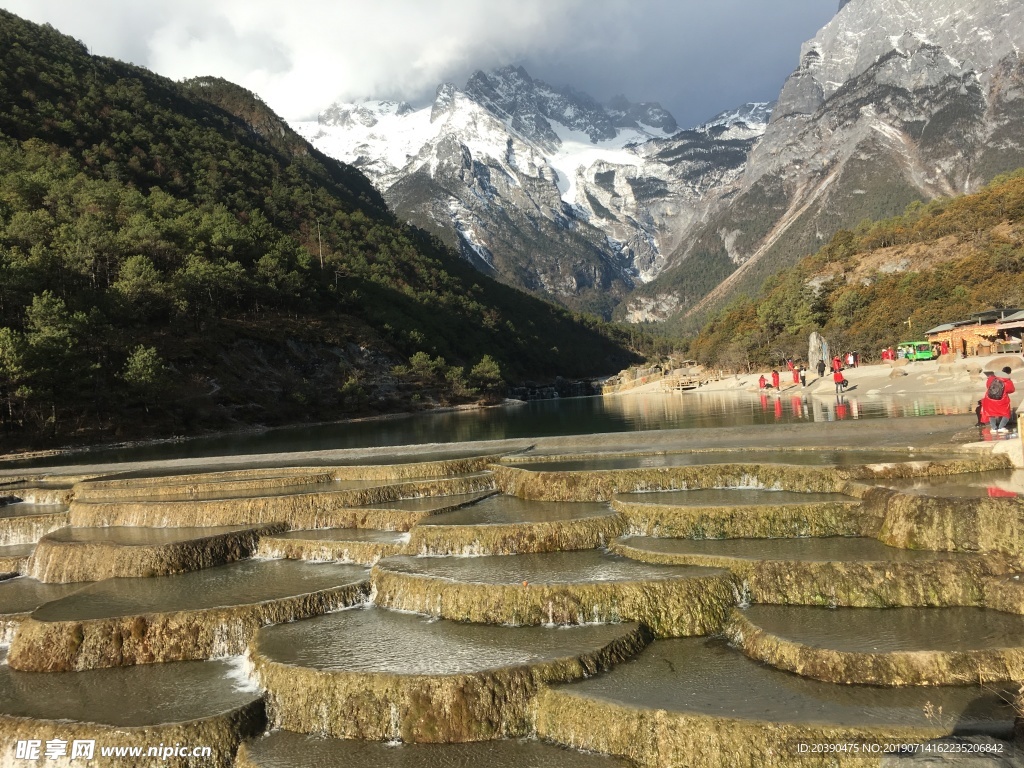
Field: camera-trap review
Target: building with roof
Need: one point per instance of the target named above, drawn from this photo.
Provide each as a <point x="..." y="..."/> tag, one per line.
<point x="984" y="333"/>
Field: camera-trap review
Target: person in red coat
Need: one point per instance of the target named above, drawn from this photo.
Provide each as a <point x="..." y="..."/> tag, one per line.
<point x="837" y="363"/>
<point x="775" y="378"/>
<point x="762" y="382"/>
<point x="840" y="380"/>
<point x="997" y="409"/>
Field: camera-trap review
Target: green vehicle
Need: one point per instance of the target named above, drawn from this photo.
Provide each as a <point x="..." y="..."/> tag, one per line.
<point x="917" y="350"/>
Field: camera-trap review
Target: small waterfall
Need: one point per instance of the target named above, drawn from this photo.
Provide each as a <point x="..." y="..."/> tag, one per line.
<point x="741" y="593"/>
<point x="395" y="727"/>
<point x="243" y="673"/>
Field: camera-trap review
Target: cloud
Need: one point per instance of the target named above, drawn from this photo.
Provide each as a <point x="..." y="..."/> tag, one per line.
<point x="695" y="57"/>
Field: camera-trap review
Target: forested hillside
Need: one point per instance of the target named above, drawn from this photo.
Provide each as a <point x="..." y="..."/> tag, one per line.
<point x="884" y="282"/>
<point x="173" y="258"/>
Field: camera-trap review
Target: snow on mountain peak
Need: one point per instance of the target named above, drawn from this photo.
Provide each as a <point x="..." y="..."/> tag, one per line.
<point x="974" y="33"/>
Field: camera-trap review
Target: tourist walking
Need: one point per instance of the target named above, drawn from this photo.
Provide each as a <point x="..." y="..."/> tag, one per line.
<point x="840" y="381"/>
<point x="996" y="402"/>
<point x="775" y="378"/>
<point x="803" y="375"/>
<point x="796" y="374"/>
<point x="821" y="368"/>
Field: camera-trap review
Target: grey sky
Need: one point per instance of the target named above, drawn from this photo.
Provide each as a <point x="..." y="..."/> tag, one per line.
<point x="697" y="57"/>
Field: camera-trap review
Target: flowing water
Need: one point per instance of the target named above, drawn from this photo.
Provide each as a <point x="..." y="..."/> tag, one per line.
<point x="23" y="509"/>
<point x="730" y="497"/>
<point x="830" y="549"/>
<point x="509" y="510"/>
<point x="374" y="640"/>
<point x="427" y="503"/>
<point x="698" y="675"/>
<point x="548" y="568"/>
<point x="242" y="583"/>
<point x="346" y="534"/>
<point x="149" y="694"/>
<point x="132" y="536"/>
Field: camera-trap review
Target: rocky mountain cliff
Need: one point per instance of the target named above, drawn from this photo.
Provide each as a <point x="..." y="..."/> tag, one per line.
<point x="611" y="208"/>
<point x="543" y="187"/>
<point x="892" y="101"/>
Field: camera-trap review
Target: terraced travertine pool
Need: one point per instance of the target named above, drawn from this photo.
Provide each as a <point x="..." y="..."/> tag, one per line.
<point x="444" y="613"/>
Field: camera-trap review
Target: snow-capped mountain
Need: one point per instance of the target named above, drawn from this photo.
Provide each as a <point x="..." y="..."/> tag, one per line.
<point x="543" y="186"/>
<point x="751" y="117"/>
<point x="892" y="101"/>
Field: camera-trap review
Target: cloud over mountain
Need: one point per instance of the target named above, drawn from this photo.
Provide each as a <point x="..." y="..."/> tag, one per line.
<point x="696" y="58"/>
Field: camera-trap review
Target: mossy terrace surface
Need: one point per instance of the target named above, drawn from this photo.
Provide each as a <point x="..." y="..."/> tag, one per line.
<point x="27" y="523"/>
<point x="557" y="588"/>
<point x="318" y="508"/>
<point x="836" y="571"/>
<point x="199" y="615"/>
<point x="884" y="647"/>
<point x="698" y="703"/>
<point x="379" y="675"/>
<point x="507" y="525"/>
<point x="675" y="515"/>
<point x="348" y="545"/>
<point x="191" y="703"/>
<point x="689" y="542"/>
<point x="251" y="482"/>
<point x="84" y="554"/>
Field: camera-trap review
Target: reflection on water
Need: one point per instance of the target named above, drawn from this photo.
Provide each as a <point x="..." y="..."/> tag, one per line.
<point x="887" y="630"/>
<point x="998" y="483"/>
<point x="708" y="677"/>
<point x="539" y="418"/>
<point x="816" y="458"/>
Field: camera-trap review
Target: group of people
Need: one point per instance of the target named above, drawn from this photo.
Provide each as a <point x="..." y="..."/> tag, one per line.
<point x="994" y="408"/>
<point x="798" y="370"/>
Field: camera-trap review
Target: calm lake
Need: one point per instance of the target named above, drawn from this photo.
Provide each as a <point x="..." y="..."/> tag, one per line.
<point x="540" y="418"/>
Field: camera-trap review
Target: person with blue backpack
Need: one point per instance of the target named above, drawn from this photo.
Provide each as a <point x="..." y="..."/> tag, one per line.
<point x="996" y="402"/>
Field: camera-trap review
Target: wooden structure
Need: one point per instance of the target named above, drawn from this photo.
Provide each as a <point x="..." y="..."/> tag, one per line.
<point x="995" y="331"/>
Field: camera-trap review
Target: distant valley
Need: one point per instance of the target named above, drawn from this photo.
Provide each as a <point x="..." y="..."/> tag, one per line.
<point x="613" y="209"/>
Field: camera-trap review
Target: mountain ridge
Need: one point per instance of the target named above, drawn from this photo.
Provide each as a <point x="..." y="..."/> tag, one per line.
<point x="542" y="187"/>
<point x="928" y="104"/>
<point x="174" y="259"/>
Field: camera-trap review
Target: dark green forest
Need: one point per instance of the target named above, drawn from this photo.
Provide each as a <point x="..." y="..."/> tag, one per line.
<point x="970" y="254"/>
<point x="174" y="259"/>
